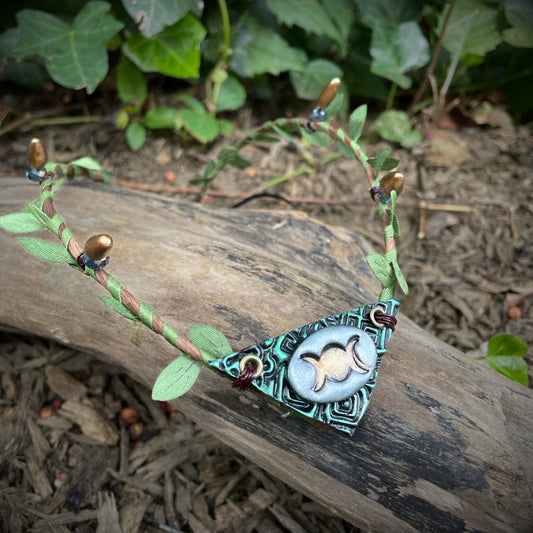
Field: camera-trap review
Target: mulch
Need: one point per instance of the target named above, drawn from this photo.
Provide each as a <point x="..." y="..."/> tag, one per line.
<point x="84" y="448"/>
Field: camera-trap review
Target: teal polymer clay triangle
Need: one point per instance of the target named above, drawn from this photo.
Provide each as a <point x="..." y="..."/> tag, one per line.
<point x="325" y="370"/>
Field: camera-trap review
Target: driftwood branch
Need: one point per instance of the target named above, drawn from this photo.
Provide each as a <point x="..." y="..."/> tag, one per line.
<point x="446" y="444"/>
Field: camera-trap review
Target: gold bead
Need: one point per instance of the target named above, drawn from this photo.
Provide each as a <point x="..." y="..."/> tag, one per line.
<point x="98" y="246"/>
<point x="393" y="181"/>
<point x="329" y="92"/>
<point x="36" y="154"/>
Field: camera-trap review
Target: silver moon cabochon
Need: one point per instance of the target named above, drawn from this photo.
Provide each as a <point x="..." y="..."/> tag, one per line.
<point x="332" y="364"/>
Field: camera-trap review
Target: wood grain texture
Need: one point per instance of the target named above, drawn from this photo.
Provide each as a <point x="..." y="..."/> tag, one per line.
<point x="446" y="444"/>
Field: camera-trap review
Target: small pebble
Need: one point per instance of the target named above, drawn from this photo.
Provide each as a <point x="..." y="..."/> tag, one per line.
<point x="514" y="312"/>
<point x="128" y="415"/>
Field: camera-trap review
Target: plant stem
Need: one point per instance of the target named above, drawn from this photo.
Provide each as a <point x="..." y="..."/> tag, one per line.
<point x="392" y="94"/>
<point x="434" y="58"/>
<point x="121" y="294"/>
<point x="65" y="121"/>
<point x="213" y="82"/>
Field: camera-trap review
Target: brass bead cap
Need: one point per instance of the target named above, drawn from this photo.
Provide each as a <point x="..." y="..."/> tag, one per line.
<point x="36" y="154"/>
<point x="330" y="91"/>
<point x="98" y="246"/>
<point x="393" y="181"/>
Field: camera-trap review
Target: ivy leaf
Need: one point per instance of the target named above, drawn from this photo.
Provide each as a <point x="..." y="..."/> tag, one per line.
<point x="176" y="379"/>
<point x="135" y="135"/>
<point x="202" y="126"/>
<point x="396" y="50"/>
<point x="259" y="49"/>
<point x="231" y="96"/>
<point x="472" y="28"/>
<point x="154" y="15"/>
<point x="310" y="82"/>
<point x="23" y="222"/>
<point x="395" y="126"/>
<point x="309" y="15"/>
<point x="162" y="118"/>
<point x="86" y="162"/>
<point x="382" y="269"/>
<point x="119" y="308"/>
<point x="212" y="343"/>
<point x="131" y="85"/>
<point x="14" y="68"/>
<point x="512" y="366"/>
<point x="47" y="250"/>
<point x="505" y="345"/>
<point x="75" y="55"/>
<point x="389" y="12"/>
<point x="175" y="51"/>
<point x="357" y="122"/>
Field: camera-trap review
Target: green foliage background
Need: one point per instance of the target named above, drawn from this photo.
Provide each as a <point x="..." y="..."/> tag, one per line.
<point x="379" y="48"/>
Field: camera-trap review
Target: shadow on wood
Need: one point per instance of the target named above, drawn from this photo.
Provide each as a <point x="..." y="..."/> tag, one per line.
<point x="446" y="444"/>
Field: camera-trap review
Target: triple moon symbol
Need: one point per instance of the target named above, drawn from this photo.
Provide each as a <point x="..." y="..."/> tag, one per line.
<point x="332" y="364"/>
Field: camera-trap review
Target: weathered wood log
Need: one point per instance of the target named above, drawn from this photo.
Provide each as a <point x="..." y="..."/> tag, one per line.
<point x="446" y="444"/>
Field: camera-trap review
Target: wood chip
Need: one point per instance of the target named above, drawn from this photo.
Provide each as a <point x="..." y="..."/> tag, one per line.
<point x="285" y="519"/>
<point x="131" y="514"/>
<point x="108" y="518"/>
<point x="92" y="423"/>
<point x="63" y="384"/>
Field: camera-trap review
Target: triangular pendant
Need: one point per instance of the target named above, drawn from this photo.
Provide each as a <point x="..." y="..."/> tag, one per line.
<point x="325" y="370"/>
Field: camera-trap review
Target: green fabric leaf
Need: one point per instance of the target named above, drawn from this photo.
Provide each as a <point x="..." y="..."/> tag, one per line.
<point x="477" y="32"/>
<point x="309" y="15"/>
<point x="75" y="54"/>
<point x="47" y="250"/>
<point x="135" y="135"/>
<point x="202" y="126"/>
<point x="175" y="51"/>
<point x="230" y="156"/>
<point x="154" y="15"/>
<point x="511" y="366"/>
<point x="344" y="150"/>
<point x="212" y="343"/>
<point x="44" y="219"/>
<point x="259" y="49"/>
<point x="131" y="85"/>
<point x="395" y="126"/>
<point x="162" y="118"/>
<point x="23" y="222"/>
<point x="176" y="379"/>
<point x="382" y="269"/>
<point x="317" y="138"/>
<point x="119" y="308"/>
<point x="400" y="277"/>
<point x="506" y="345"/>
<point x="357" y="122"/>
<point x="378" y="162"/>
<point x="396" y="50"/>
<point x="310" y="82"/>
<point x="231" y="96"/>
<point x="282" y="133"/>
<point x="389" y="12"/>
<point x="395" y="225"/>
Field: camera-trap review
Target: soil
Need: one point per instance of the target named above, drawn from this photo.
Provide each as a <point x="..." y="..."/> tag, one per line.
<point x="466" y="249"/>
